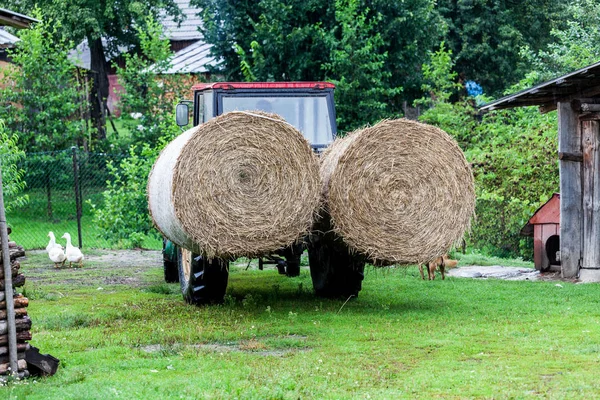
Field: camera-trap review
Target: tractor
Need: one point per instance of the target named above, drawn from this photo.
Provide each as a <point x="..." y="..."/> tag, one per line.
<point x="309" y="107"/>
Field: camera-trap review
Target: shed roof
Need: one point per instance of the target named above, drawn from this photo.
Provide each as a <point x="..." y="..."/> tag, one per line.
<point x="7" y="39"/>
<point x="192" y="59"/>
<point x="14" y="19"/>
<point x="583" y="83"/>
<point x="188" y="28"/>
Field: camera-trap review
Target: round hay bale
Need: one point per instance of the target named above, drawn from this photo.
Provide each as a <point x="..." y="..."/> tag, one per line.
<point x="400" y="191"/>
<point x="242" y="184"/>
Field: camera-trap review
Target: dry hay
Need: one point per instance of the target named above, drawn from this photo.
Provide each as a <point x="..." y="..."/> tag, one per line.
<point x="400" y="191"/>
<point x="242" y="184"/>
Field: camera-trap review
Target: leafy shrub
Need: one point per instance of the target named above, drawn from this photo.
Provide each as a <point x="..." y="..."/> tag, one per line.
<point x="513" y="156"/>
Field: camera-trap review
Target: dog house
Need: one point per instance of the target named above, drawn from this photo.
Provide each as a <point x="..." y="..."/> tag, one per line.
<point x="544" y="226"/>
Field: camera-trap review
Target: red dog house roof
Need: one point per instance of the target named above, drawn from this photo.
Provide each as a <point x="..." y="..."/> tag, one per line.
<point x="548" y="213"/>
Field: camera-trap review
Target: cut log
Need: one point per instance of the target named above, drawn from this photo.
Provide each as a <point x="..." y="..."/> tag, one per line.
<point x="21" y="347"/>
<point x="18" y="281"/>
<point x="15" y="253"/>
<point x="19" y="301"/>
<point x="6" y="358"/>
<point x="40" y="364"/>
<point x="22" y="324"/>
<point x="19" y="312"/>
<point x="14" y="267"/>
<point x="21" y="364"/>
<point x="21" y="337"/>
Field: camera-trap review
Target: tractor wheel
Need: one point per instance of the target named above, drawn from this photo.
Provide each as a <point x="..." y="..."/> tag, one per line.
<point x="334" y="269"/>
<point x="292" y="256"/>
<point x="292" y="267"/>
<point x="170" y="261"/>
<point x="202" y="281"/>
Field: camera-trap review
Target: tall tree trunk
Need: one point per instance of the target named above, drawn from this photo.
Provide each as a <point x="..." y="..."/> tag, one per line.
<point x="99" y="92"/>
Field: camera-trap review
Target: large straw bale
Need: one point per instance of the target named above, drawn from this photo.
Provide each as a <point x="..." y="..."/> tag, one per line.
<point x="400" y="191"/>
<point x="242" y="184"/>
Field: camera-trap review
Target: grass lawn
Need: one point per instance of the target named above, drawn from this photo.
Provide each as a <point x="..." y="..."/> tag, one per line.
<point x="31" y="223"/>
<point x="120" y="332"/>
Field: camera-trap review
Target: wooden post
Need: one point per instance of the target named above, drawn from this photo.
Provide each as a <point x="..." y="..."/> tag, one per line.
<point x="591" y="194"/>
<point x="569" y="141"/>
<point x="8" y="287"/>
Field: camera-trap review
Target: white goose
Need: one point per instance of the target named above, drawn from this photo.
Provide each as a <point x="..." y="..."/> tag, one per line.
<point x="55" y="251"/>
<point x="52" y="243"/>
<point x="73" y="254"/>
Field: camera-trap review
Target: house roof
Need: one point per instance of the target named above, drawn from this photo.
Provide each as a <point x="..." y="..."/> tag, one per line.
<point x="583" y="83"/>
<point x="7" y="40"/>
<point x="188" y="28"/>
<point x="192" y="60"/>
<point x="15" y="19"/>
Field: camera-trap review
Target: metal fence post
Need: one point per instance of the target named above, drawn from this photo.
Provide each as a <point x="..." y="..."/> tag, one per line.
<point x="77" y="193"/>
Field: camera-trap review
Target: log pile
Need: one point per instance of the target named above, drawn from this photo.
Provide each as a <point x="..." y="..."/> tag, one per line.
<point x="22" y="321"/>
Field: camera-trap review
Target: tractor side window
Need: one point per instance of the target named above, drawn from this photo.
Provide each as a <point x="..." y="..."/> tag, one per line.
<point x="199" y="109"/>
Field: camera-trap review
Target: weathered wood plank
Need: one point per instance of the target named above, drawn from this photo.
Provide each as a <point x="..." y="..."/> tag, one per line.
<point x="569" y="141"/>
<point x="577" y="157"/>
<point x="591" y="194"/>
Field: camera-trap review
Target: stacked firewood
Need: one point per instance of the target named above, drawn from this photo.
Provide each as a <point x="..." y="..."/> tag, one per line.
<point x="22" y="321"/>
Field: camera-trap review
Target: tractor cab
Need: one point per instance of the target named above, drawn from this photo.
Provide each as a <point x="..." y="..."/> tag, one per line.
<point x="308" y="106"/>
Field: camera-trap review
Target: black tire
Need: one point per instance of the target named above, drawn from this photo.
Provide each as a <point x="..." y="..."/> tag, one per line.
<point x="292" y="256"/>
<point x="171" y="270"/>
<point x="292" y="267"/>
<point x="202" y="281"/>
<point x="170" y="263"/>
<point x="335" y="271"/>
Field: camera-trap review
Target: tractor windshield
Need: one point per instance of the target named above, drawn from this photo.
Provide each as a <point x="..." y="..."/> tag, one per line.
<point x="309" y="114"/>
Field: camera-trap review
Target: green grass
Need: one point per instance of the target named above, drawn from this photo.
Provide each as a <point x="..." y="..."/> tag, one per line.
<point x="120" y="332"/>
<point x="31" y="223"/>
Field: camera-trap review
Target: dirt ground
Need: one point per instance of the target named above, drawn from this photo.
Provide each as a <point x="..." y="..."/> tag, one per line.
<point x="100" y="267"/>
<point x="128" y="266"/>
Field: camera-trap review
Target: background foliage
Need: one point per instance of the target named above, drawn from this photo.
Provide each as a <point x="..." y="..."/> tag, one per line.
<point x="152" y="96"/>
<point x="40" y="96"/>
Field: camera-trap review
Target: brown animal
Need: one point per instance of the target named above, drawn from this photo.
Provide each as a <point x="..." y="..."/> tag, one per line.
<point x="442" y="263"/>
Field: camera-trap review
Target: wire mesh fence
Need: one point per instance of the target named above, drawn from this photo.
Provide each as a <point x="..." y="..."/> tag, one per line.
<point x="55" y="183"/>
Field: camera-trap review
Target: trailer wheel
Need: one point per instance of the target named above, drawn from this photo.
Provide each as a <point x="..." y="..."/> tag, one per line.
<point x="170" y="261"/>
<point x="334" y="269"/>
<point x="202" y="281"/>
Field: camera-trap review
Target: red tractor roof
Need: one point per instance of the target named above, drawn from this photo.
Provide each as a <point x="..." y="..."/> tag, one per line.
<point x="263" y="85"/>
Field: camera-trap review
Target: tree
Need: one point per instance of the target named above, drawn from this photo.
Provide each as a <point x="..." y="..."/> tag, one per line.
<point x="147" y="90"/>
<point x="512" y="154"/>
<point x="12" y="183"/>
<point x="315" y="39"/>
<point x="573" y="47"/>
<point x="123" y="215"/>
<point x="362" y="93"/>
<point x="41" y="97"/>
<point x="116" y="21"/>
<point x="486" y="36"/>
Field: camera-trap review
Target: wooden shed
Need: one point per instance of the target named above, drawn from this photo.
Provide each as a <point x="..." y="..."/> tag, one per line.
<point x="576" y="96"/>
<point x="544" y="226"/>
